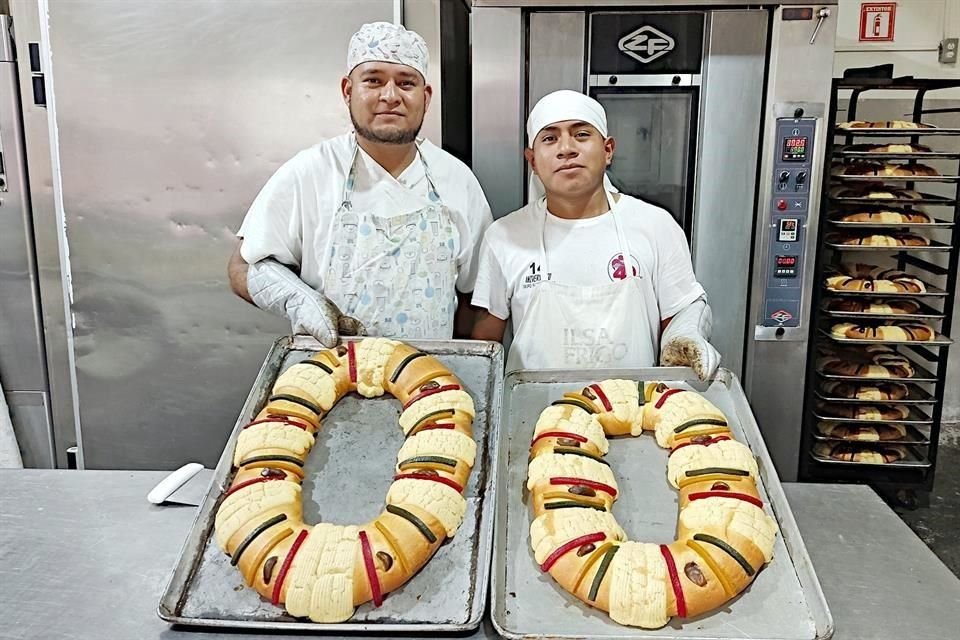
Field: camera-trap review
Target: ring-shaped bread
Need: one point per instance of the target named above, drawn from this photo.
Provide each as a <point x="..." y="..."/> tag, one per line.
<point x="724" y="535"/>
<point x="324" y="571"/>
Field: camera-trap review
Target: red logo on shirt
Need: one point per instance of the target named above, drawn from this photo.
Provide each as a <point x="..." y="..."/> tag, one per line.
<point x="617" y="270"/>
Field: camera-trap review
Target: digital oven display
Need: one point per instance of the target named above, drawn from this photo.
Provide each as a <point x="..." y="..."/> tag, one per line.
<point x="795" y="149"/>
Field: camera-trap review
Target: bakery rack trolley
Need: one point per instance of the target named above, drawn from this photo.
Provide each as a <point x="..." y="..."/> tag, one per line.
<point x="907" y="480"/>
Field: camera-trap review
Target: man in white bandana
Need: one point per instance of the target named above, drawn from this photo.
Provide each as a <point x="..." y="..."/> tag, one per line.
<point x="590" y="278"/>
<point x="374" y="231"/>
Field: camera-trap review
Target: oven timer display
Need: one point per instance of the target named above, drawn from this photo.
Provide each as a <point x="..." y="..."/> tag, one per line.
<point x="795" y="149"/>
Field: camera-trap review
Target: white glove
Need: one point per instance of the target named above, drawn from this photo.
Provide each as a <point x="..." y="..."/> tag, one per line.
<point x="275" y="288"/>
<point x="685" y="340"/>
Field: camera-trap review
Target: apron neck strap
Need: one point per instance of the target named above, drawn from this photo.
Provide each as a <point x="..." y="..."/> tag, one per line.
<point x="351" y="181"/>
<point x="621" y="237"/>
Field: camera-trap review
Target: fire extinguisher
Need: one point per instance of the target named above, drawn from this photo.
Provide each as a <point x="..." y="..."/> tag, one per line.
<point x="876" y="26"/>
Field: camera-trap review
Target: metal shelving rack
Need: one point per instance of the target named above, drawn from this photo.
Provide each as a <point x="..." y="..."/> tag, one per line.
<point x="936" y="265"/>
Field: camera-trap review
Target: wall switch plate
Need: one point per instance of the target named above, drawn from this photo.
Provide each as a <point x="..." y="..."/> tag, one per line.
<point x="948" y="50"/>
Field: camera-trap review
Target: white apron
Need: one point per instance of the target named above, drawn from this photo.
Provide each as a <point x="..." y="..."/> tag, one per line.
<point x="396" y="274"/>
<point x="574" y="327"/>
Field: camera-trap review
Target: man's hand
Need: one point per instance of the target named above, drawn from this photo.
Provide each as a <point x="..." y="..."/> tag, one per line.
<point x="685" y="340"/>
<point x="275" y="288"/>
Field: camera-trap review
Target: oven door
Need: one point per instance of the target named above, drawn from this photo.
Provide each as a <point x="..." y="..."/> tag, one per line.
<point x="655" y="129"/>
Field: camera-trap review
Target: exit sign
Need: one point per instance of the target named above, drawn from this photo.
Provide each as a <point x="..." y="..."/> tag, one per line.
<point x="877" y="21"/>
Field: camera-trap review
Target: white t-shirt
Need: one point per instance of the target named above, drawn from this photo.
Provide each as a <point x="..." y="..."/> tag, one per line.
<point x="584" y="253"/>
<point x="290" y="218"/>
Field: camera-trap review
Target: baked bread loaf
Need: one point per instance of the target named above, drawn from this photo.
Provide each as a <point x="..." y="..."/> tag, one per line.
<point x="883" y="216"/>
<point x="724" y="535"/>
<point x="886" y="307"/>
<point x="862" y="391"/>
<point x="884" y="124"/>
<point x="874" y="191"/>
<point x="323" y="571"/>
<point x="889" y="332"/>
<point x="882" y="170"/>
<point x="893" y="147"/>
<point x="861" y="432"/>
<point x="889" y="239"/>
<point x="857" y="453"/>
<point x="866" y="365"/>
<point x="882" y="412"/>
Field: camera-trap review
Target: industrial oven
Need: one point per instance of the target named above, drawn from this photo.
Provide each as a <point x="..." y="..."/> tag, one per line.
<point x="719" y="112"/>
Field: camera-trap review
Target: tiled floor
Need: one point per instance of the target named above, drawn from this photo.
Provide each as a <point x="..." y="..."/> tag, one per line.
<point x="939" y="523"/>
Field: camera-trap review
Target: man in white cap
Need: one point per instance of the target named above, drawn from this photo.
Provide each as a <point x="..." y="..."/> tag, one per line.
<point x="589" y="278"/>
<point x="374" y="231"/>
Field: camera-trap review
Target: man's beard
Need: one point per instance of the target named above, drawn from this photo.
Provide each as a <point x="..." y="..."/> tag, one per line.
<point x="394" y="136"/>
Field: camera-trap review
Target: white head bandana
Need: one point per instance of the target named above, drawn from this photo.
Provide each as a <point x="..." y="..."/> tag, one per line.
<point x="561" y="106"/>
<point x="387" y="42"/>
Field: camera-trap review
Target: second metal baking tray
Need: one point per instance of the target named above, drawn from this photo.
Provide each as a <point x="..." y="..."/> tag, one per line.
<point x="914" y="436"/>
<point x="931" y="292"/>
<point x="933" y="246"/>
<point x="939" y="340"/>
<point x="915" y="417"/>
<point x="925" y="312"/>
<point x="784" y="602"/>
<point x="346" y="479"/>
<point x="916" y="460"/>
<point x="920" y="375"/>
<point x="916" y="395"/>
<point x="897" y="178"/>
<point x="934" y="224"/>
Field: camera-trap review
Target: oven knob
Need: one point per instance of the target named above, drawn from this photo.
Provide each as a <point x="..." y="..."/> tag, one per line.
<point x="801" y="177"/>
<point x="784" y="176"/>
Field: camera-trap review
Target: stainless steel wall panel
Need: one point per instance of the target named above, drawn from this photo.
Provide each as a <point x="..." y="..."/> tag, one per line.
<point x="498" y="88"/>
<point x="775" y="370"/>
<point x="557" y="57"/>
<point x="169" y="122"/>
<point x="731" y="103"/>
<point x="30" y="414"/>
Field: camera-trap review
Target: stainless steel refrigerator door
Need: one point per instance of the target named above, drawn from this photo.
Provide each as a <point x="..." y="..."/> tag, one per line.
<point x="22" y="365"/>
<point x="169" y="122"/>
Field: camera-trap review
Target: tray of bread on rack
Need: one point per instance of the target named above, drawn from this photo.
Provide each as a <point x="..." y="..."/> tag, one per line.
<point x="887" y="455"/>
<point x="877" y="193"/>
<point x="858" y="333"/>
<point x="875" y="170"/>
<point x="870" y="363"/>
<point x="886" y="217"/>
<point x="882" y="240"/>
<point x="827" y="431"/>
<point x="878" y="309"/>
<point x="870" y="413"/>
<point x="843" y="392"/>
<point x="891" y="151"/>
<point x="860" y="279"/>
<point x="896" y="128"/>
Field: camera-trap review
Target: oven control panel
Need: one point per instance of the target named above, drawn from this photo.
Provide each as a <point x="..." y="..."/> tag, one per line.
<point x="789" y="207"/>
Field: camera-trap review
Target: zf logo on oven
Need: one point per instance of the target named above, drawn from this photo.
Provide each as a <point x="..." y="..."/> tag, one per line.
<point x="646" y="44"/>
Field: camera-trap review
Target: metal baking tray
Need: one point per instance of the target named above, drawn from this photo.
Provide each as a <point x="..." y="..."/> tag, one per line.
<point x="897" y="178"/>
<point x="931" y="292"/>
<point x="939" y="340"/>
<point x="920" y="375"/>
<point x="927" y="199"/>
<point x="447" y="595"/>
<point x="935" y="224"/>
<point x="905" y="133"/>
<point x="916" y="461"/>
<point x="925" y="312"/>
<point x="528" y="604"/>
<point x="914" y="436"/>
<point x="883" y="155"/>
<point x="915" y="417"/>
<point x="933" y="246"/>
<point x="916" y="396"/>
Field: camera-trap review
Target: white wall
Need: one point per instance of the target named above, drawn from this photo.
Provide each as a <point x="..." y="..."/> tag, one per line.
<point x="920" y="25"/>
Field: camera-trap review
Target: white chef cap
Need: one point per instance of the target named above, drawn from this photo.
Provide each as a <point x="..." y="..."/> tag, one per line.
<point x="388" y="42"/>
<point x="563" y="105"/>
